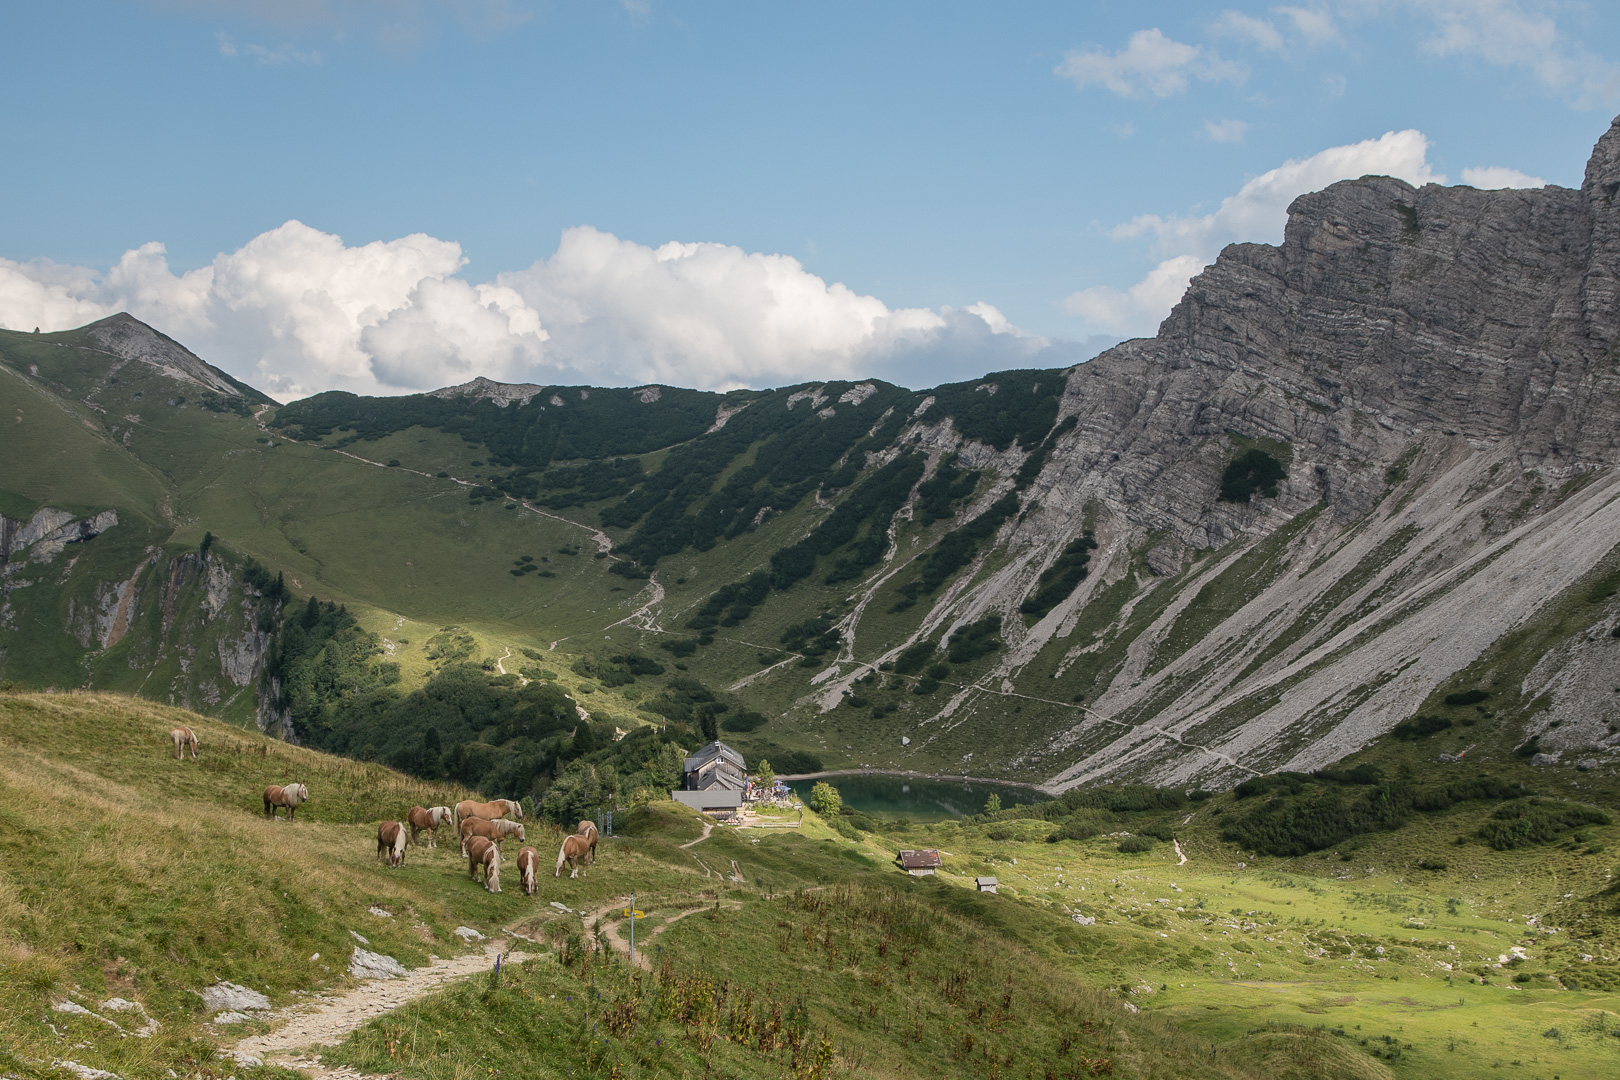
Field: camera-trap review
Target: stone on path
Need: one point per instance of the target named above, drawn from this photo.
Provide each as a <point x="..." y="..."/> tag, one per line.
<point x="370" y="965"/>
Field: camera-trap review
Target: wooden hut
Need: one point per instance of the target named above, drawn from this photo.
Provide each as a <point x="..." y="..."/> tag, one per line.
<point x="920" y="863"/>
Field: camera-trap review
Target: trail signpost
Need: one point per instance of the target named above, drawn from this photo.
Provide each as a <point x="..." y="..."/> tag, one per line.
<point x="632" y="914"/>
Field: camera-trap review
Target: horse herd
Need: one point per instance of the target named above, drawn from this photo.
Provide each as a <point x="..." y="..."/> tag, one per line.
<point x="481" y="825"/>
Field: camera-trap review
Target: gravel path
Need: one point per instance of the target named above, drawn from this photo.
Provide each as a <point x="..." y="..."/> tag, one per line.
<point x="329" y="1020"/>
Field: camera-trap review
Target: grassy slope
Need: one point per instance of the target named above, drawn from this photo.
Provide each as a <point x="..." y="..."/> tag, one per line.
<point x="123" y="872"/>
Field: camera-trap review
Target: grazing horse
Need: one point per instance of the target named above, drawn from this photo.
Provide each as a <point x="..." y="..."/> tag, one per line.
<point x="183" y="737"/>
<point x="427" y="818"/>
<point x="489" y="830"/>
<point x="489" y="811"/>
<point x="573" y="851"/>
<point x="482" y="853"/>
<point x="528" y="862"/>
<point x="391" y="842"/>
<point x="292" y="797"/>
<point x="587" y="832"/>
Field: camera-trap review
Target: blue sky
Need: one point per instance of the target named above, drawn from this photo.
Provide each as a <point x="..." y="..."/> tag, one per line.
<point x="486" y="186"/>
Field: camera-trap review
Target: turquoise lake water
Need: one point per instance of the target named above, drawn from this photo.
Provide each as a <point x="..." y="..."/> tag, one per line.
<point x="919" y="800"/>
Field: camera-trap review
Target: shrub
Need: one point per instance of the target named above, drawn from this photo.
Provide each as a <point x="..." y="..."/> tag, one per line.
<point x="1253" y="470"/>
<point x="1537" y="821"/>
<point x="1467" y="697"/>
<point x="1159" y="832"/>
<point x="744" y="720"/>
<point x="975" y="640"/>
<point x="1420" y="727"/>
<point x="1135" y="845"/>
<point x="825" y="800"/>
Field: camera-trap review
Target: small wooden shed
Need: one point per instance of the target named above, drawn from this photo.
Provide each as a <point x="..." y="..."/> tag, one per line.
<point x="920" y="863"/>
<point x="985" y="884"/>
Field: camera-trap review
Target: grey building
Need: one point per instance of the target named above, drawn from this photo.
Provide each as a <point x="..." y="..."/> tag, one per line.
<point x="716" y="766"/>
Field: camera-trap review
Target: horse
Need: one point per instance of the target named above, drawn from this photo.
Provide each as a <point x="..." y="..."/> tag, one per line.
<point x="292" y="796"/>
<point x="428" y="818"/>
<point x="489" y="811"/>
<point x="587" y="831"/>
<point x="391" y="842"/>
<point x="573" y="852"/>
<point x="183" y="737"/>
<point x="484" y="853"/>
<point x="489" y="830"/>
<point x="528" y="862"/>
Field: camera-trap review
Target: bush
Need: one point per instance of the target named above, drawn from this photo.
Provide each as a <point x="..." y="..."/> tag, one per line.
<point x="1307" y="814"/>
<point x="1537" y="821"/>
<point x="1159" y="832"/>
<point x="1078" y="827"/>
<point x="844" y="828"/>
<point x="1421" y="727"/>
<point x="1467" y="697"/>
<point x="825" y="800"/>
<point x="1135" y="845"/>
<point x="1253" y="470"/>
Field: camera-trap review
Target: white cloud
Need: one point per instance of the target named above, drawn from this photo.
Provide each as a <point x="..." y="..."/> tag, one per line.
<point x="1522" y="34"/>
<point x="1257" y="212"/>
<point x="1257" y="32"/>
<point x="296" y="311"/>
<point x="1150" y="65"/>
<point x="1315" y="25"/>
<point x="1225" y="131"/>
<point x="267" y="57"/>
<point x="1144" y="304"/>
<point x="1499" y="176"/>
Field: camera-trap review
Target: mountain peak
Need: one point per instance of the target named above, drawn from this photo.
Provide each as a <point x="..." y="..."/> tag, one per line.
<point x="502" y="394"/>
<point x="126" y="337"/>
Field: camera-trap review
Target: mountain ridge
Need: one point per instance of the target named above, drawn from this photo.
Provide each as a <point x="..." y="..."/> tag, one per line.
<point x="1428" y="376"/>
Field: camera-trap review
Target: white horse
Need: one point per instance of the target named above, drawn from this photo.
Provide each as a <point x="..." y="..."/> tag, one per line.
<point x="183" y="737"/>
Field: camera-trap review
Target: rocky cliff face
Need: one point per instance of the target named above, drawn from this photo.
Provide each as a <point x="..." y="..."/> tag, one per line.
<point x="1441" y="364"/>
<point x="181" y="627"/>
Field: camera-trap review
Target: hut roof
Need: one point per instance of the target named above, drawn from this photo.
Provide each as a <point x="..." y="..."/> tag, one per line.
<point x="927" y="859"/>
<point x="716" y="749"/>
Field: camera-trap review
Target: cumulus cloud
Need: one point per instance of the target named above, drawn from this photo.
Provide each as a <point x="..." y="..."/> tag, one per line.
<point x="1150" y="65"/>
<point x="296" y="311"/>
<point x="1500" y="176"/>
<point x="1257" y="212"/>
<point x="1134" y="310"/>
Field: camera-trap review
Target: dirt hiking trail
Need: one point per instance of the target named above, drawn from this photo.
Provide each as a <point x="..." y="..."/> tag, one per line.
<point x="328" y="1021"/>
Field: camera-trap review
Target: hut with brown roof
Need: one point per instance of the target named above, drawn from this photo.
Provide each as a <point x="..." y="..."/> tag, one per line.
<point x="920" y="863"/>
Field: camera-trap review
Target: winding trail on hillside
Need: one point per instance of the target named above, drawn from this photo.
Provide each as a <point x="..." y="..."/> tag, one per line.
<point x="329" y="1020"/>
<point x="645" y="617"/>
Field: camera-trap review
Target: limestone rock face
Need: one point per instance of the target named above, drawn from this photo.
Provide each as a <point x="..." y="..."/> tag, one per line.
<point x="1438" y="369"/>
<point x="129" y="339"/>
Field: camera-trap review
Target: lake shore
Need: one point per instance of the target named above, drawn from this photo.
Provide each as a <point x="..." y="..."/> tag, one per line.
<point x="908" y="774"/>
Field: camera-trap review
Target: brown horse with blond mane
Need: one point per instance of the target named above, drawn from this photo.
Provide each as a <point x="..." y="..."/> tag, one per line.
<point x="493" y="810"/>
<point x="573" y="851"/>
<point x="391" y="842"/>
<point x="183" y="737"/>
<point x="489" y="830"/>
<point x="427" y="819"/>
<point x="528" y="864"/>
<point x="587" y="832"/>
<point x="484" y="855"/>
<point x="292" y="797"/>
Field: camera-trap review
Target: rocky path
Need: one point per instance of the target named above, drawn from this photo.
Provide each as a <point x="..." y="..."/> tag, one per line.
<point x="708" y="827"/>
<point x="645" y="617"/>
<point x="330" y="1020"/>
